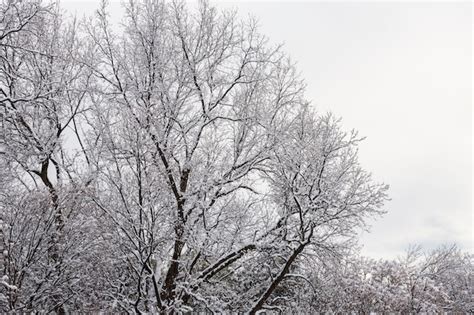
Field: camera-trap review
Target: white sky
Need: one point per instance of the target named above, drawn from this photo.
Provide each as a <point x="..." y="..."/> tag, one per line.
<point x="401" y="74"/>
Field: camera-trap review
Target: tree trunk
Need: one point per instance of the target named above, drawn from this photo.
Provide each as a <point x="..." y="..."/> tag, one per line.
<point x="278" y="279"/>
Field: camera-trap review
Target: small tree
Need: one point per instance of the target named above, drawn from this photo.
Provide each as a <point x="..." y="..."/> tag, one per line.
<point x="42" y="91"/>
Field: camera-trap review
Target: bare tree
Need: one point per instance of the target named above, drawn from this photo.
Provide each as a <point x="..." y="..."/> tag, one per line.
<point x="172" y="163"/>
<point x="42" y="90"/>
<point x="208" y="158"/>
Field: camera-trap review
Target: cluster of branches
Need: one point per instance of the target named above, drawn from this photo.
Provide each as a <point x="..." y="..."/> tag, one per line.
<point x="169" y="164"/>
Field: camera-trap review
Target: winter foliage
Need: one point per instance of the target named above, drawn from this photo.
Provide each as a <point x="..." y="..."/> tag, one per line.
<point x="173" y="164"/>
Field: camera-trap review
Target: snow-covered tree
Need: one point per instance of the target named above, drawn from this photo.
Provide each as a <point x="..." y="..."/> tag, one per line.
<point x="426" y="282"/>
<point x="42" y="91"/>
<point x="172" y="163"/>
<point x="209" y="161"/>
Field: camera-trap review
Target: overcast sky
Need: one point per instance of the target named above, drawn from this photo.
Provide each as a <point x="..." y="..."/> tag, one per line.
<point x="401" y="74"/>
